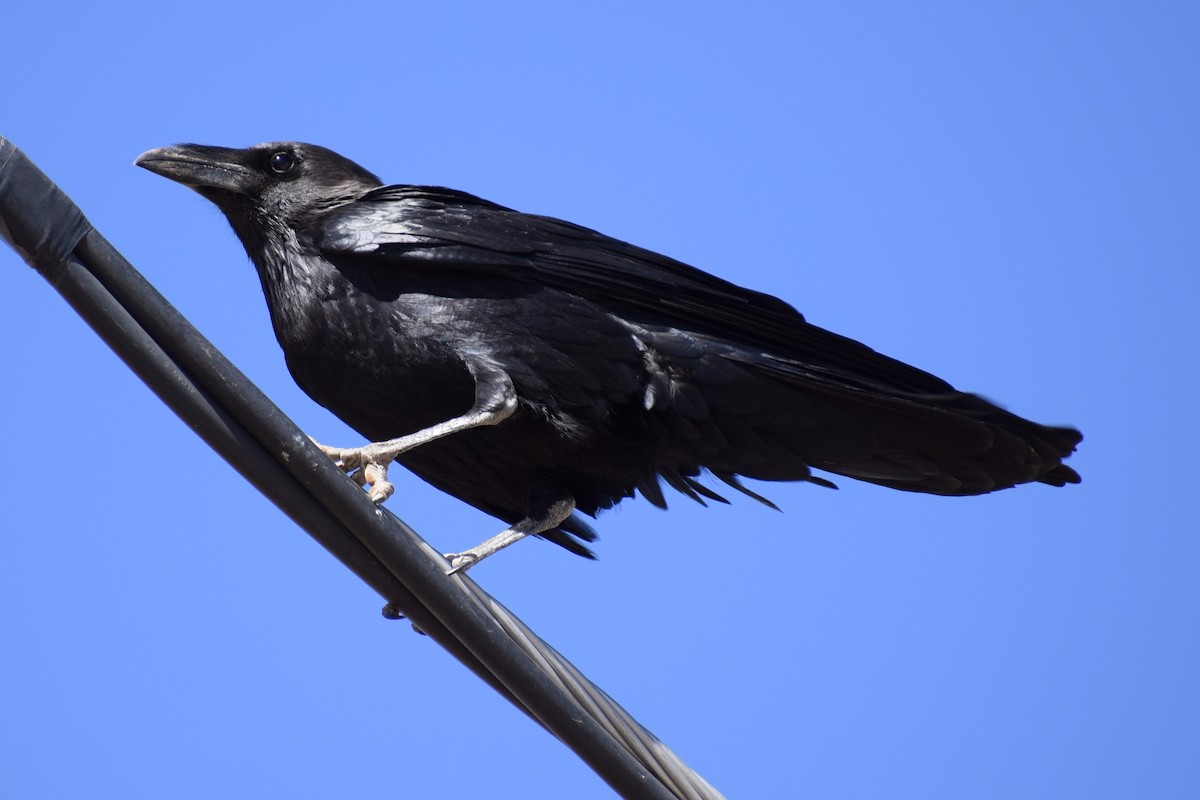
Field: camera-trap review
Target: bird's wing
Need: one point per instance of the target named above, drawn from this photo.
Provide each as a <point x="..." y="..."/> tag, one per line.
<point x="415" y="227"/>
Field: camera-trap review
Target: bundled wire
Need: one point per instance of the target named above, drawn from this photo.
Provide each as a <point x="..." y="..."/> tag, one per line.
<point x="246" y="429"/>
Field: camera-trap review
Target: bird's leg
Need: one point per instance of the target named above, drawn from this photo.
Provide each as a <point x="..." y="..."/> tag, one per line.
<point x="495" y="401"/>
<point x="551" y="517"/>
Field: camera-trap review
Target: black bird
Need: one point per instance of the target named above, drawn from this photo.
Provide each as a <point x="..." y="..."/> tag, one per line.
<point x="534" y="368"/>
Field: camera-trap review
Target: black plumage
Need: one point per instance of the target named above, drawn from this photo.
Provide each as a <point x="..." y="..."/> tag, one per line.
<point x="579" y="369"/>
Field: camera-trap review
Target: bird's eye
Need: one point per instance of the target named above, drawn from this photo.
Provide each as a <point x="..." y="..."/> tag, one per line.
<point x="282" y="162"/>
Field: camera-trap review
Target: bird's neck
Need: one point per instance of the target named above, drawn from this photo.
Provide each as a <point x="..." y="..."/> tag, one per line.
<point x="294" y="279"/>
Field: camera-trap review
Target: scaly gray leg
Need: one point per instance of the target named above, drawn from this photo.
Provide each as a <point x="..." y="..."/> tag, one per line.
<point x="551" y="517"/>
<point x="495" y="401"/>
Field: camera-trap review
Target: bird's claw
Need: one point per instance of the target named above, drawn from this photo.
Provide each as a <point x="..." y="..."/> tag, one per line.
<point x="461" y="562"/>
<point x="366" y="467"/>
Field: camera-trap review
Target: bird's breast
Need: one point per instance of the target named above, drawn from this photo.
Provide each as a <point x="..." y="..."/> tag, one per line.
<point x="378" y="366"/>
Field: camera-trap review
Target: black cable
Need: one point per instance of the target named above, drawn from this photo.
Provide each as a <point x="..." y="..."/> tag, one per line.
<point x="223" y="407"/>
<point x="397" y="547"/>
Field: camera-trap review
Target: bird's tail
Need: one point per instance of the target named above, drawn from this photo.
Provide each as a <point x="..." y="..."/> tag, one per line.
<point x="748" y="414"/>
<point x="947" y="444"/>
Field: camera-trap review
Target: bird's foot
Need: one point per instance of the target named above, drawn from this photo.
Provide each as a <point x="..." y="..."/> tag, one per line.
<point x="367" y="465"/>
<point x="552" y="514"/>
<point x="461" y="562"/>
<point x="467" y="559"/>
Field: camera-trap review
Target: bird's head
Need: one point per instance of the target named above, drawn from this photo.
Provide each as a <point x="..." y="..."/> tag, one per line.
<point x="279" y="181"/>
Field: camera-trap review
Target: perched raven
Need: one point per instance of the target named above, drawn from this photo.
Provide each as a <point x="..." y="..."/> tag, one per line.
<point x="534" y="368"/>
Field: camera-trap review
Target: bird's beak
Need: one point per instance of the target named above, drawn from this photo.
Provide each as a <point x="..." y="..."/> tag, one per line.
<point x="199" y="166"/>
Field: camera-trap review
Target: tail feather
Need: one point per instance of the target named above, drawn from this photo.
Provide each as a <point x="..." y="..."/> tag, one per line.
<point x="947" y="444"/>
<point x="957" y="444"/>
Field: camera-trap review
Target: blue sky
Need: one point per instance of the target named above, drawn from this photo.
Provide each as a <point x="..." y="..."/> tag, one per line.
<point x="1004" y="194"/>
